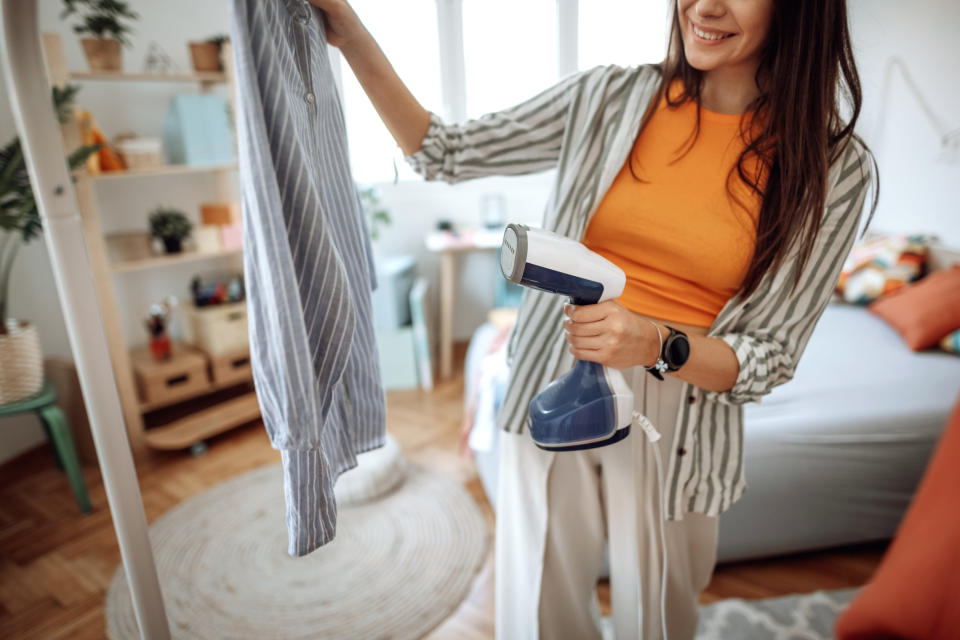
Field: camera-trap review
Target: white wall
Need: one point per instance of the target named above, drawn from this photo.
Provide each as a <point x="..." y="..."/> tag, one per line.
<point x="918" y="193"/>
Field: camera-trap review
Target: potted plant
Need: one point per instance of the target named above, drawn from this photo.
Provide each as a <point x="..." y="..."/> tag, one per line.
<point x="21" y="374"/>
<point x="171" y="226"/>
<point x="377" y="215"/>
<point x="102" y="19"/>
<point x="206" y="55"/>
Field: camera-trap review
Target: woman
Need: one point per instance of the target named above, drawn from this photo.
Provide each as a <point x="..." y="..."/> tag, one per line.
<point x="729" y="188"/>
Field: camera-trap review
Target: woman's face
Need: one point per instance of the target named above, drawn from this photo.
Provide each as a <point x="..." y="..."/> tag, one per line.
<point x="724" y="33"/>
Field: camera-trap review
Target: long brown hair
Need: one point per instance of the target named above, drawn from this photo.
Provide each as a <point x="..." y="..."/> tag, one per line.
<point x="806" y="62"/>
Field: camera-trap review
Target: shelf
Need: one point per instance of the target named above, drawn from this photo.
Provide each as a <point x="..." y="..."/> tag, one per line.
<point x="201" y="77"/>
<point x="183" y="433"/>
<point x="170" y="260"/>
<point x="130" y="251"/>
<point x="166" y="170"/>
<point x="146" y="407"/>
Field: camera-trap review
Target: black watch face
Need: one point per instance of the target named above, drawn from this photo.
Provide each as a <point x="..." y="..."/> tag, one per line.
<point x="678" y="350"/>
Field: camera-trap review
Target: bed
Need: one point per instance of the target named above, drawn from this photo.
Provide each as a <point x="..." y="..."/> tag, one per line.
<point x="832" y="457"/>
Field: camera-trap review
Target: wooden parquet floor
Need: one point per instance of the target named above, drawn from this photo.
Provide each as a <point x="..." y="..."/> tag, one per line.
<point x="56" y="564"/>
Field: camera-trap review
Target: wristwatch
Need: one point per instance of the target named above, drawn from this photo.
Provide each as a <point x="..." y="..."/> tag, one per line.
<point x="674" y="352"/>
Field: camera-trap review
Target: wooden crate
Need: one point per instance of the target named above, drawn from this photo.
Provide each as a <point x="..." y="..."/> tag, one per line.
<point x="230" y="367"/>
<point x="163" y="382"/>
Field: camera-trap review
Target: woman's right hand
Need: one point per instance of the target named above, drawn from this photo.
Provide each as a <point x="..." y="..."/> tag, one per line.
<point x="343" y="27"/>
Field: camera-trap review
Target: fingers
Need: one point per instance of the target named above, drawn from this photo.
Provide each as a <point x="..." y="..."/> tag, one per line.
<point x="590" y="343"/>
<point x="588" y="312"/>
<point x="582" y="328"/>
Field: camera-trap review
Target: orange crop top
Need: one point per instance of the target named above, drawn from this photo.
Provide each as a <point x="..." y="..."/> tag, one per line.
<point x="683" y="242"/>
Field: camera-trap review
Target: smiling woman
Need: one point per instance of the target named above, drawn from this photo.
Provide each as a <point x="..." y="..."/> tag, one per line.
<point x="727" y="186"/>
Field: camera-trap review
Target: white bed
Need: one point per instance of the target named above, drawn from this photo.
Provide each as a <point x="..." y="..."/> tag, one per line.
<point x="834" y="455"/>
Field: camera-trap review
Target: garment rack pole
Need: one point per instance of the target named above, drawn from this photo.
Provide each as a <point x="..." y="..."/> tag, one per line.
<point x="39" y="131"/>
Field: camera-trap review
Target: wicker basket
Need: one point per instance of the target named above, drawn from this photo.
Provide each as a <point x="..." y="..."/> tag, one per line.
<point x="21" y="362"/>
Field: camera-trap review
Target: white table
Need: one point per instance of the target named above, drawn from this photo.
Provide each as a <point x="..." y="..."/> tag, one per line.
<point x="448" y="245"/>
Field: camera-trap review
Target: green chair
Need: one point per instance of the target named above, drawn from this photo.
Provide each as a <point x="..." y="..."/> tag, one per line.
<point x="44" y="404"/>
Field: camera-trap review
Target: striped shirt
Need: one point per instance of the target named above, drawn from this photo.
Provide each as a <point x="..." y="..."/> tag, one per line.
<point x="584" y="127"/>
<point x="307" y="262"/>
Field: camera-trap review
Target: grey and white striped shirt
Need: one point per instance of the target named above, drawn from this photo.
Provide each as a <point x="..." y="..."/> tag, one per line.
<point x="307" y="262"/>
<point x="585" y="126"/>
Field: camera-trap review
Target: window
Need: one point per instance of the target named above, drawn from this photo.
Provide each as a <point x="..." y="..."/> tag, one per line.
<point x="624" y="32"/>
<point x="510" y="51"/>
<point x="407" y="33"/>
<point x="505" y="52"/>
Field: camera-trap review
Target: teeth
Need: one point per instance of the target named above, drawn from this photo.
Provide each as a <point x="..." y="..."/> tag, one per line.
<point x="710" y="36"/>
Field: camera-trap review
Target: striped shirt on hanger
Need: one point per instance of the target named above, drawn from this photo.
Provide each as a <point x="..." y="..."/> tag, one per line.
<point x="307" y="260"/>
<point x="584" y="127"/>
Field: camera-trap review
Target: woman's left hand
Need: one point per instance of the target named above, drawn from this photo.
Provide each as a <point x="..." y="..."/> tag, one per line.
<point x="610" y="334"/>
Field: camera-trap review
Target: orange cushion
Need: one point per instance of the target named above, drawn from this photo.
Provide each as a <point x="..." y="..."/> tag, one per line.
<point x="925" y="311"/>
<point x="913" y="593"/>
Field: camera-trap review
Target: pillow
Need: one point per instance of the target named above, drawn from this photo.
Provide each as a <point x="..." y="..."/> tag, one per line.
<point x="881" y="265"/>
<point x="913" y="593"/>
<point x="923" y="312"/>
<point x="951" y="342"/>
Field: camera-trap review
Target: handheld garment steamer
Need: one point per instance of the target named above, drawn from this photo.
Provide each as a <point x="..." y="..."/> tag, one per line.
<point x="591" y="405"/>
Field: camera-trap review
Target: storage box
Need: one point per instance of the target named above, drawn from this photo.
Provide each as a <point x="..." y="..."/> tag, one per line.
<point x="141" y="153"/>
<point x="220" y="212"/>
<point x="183" y="375"/>
<point x="206" y="237"/>
<point x="219" y="329"/>
<point x="197" y="130"/>
<point x="231" y="367"/>
<point x="231" y="236"/>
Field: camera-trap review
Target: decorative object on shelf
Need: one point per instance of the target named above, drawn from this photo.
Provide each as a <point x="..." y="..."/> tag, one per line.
<point x="219" y="329"/>
<point x="21" y="375"/>
<point x="231" y="236"/>
<point x="105" y="160"/>
<point x="206" y="237"/>
<point x="139" y="153"/>
<point x="198" y="131"/>
<point x="493" y="211"/>
<point x="171" y="226"/>
<point x="206" y="55"/>
<point x="217" y="319"/>
<point x="377" y="215"/>
<point x="158" y="61"/>
<point x="157" y="323"/>
<point x="220" y="213"/>
<point x="219" y="291"/>
<point x="102" y="19"/>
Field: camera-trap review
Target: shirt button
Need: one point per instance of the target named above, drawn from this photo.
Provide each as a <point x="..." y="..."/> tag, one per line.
<point x="681" y="451"/>
<point x="309" y="98"/>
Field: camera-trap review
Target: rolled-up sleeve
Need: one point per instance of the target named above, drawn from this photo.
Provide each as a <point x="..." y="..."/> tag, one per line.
<point x="770" y="344"/>
<point x="522" y="139"/>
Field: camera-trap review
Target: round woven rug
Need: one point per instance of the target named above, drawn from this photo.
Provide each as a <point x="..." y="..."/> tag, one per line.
<point x="398" y="566"/>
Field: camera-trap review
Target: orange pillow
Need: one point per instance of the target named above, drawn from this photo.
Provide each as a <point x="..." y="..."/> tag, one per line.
<point x="925" y="311"/>
<point x="913" y="593"/>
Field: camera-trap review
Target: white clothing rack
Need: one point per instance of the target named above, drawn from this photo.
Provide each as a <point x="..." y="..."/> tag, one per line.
<point x="30" y="97"/>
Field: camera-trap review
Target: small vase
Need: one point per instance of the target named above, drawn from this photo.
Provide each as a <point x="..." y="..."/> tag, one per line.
<point x="21" y="374"/>
<point x="172" y="245"/>
<point x="103" y="54"/>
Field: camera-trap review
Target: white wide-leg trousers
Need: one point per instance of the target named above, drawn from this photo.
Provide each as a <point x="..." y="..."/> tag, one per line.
<point x="555" y="512"/>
